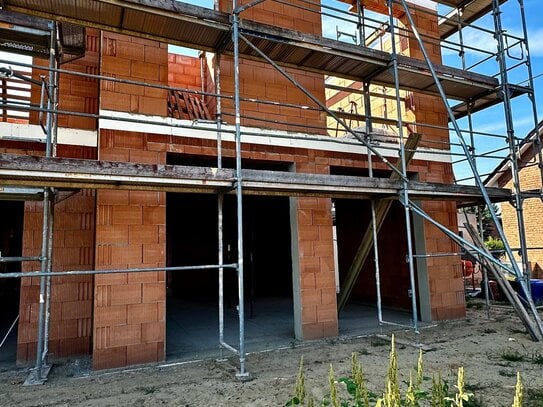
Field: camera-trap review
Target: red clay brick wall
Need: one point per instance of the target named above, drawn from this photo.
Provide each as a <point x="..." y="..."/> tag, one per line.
<point x="262" y="81"/>
<point x="139" y="60"/>
<point x="184" y="72"/>
<point x="444" y="273"/>
<point x="129" y="313"/>
<point x="428" y="109"/>
<point x="76" y="93"/>
<point x="73" y="249"/>
<point x="71" y="297"/>
<point x="317" y="280"/>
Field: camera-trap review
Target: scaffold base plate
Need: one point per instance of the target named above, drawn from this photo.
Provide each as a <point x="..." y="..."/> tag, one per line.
<point x="37" y="377"/>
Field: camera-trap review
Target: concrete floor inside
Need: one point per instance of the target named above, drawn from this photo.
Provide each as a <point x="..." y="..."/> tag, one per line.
<point x="193" y="330"/>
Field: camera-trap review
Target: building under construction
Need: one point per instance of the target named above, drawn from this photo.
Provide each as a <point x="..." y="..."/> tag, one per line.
<point x="277" y="185"/>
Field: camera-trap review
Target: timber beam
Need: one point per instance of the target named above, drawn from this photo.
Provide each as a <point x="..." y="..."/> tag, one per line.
<point x="64" y="173"/>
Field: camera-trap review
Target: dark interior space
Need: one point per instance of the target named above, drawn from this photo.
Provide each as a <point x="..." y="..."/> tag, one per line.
<point x="11" y="245"/>
<point x="352" y="219"/>
<point x="192" y="303"/>
<point x="192" y="240"/>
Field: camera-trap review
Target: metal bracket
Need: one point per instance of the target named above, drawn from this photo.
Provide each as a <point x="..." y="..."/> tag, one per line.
<point x="243" y="377"/>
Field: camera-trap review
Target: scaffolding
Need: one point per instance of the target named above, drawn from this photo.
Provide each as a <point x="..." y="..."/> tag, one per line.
<point x="229" y="34"/>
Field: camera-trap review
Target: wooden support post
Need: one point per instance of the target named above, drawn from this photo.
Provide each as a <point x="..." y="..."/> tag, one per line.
<point x="381" y="210"/>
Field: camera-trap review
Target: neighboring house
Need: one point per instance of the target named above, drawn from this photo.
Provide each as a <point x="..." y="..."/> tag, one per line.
<point x="530" y="174"/>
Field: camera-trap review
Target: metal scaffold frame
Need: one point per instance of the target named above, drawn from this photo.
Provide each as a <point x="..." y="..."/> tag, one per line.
<point x="407" y="144"/>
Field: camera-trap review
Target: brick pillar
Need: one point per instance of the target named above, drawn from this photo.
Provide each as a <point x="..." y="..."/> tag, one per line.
<point x="315" y="304"/>
<point x="129" y="308"/>
<point x="446" y="285"/>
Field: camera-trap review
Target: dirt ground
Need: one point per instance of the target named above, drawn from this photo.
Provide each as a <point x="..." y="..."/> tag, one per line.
<point x="491" y="351"/>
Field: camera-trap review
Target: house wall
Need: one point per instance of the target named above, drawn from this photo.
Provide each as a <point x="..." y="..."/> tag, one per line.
<point x="73" y="249"/>
<point x="129" y="308"/>
<point x="137" y="59"/>
<point x="530" y="178"/>
<point x="261" y="81"/>
<point x="76" y="93"/>
<point x="73" y="238"/>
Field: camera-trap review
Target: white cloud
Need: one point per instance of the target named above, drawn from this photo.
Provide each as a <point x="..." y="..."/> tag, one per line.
<point x="535" y="40"/>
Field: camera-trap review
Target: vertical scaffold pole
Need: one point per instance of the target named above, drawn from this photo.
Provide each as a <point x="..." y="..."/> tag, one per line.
<point x="220" y="202"/>
<point x="239" y="197"/>
<point x="38" y="374"/>
<point x="404" y="198"/>
<point x="369" y="130"/>
<point x="52" y="127"/>
<point x="513" y="145"/>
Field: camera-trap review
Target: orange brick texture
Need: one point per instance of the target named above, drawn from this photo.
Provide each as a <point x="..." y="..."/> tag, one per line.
<point x="139" y="60"/>
<point x="530" y="178"/>
<point x="185" y="72"/>
<point x="73" y="249"/>
<point x="129" y="313"/>
<point x="129" y="308"/>
<point x="316" y="263"/>
<point x="316" y="259"/>
<point x="262" y="81"/>
<point x="76" y="94"/>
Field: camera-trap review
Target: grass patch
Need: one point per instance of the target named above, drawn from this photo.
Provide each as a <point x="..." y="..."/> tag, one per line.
<point x="506" y="373"/>
<point x="537" y="358"/>
<point x="512" y="356"/>
<point x="533" y="398"/>
<point x="149" y="389"/>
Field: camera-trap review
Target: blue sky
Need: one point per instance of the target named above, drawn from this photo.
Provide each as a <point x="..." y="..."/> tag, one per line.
<point x="490" y="120"/>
